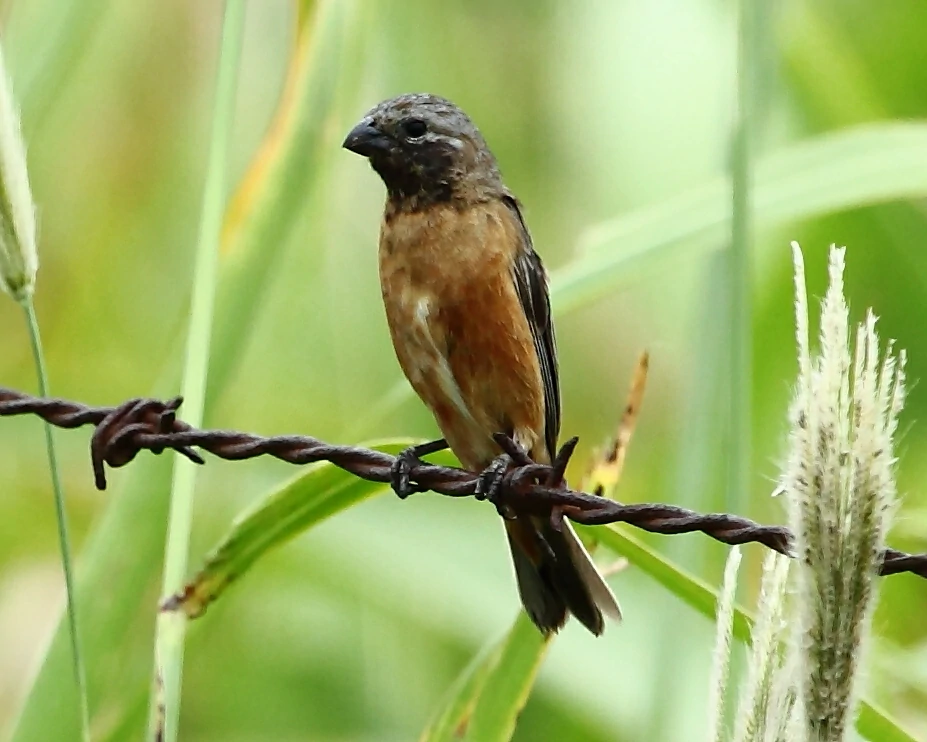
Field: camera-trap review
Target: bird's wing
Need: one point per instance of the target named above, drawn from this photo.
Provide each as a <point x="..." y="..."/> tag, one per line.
<point x="531" y="286"/>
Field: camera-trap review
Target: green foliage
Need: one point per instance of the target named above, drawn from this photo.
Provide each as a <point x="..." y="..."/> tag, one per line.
<point x="455" y="711"/>
<point x="873" y="722"/>
<point x="606" y="122"/>
<point x="506" y="688"/>
<point x="124" y="553"/>
<point x="485" y="701"/>
<point x="164" y="710"/>
<point x="834" y="172"/>
<point x="320" y="492"/>
<point x="64" y="539"/>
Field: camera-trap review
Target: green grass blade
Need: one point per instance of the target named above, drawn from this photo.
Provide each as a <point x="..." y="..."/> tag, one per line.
<point x="169" y="637"/>
<point x="740" y="313"/>
<point x="740" y="307"/>
<point x="872" y="723"/>
<point x="56" y="53"/>
<point x="64" y="541"/>
<point x="453" y="716"/>
<point x="484" y="702"/>
<point x="327" y="65"/>
<point x="856" y="167"/>
<point x="489" y="695"/>
<point x="506" y="690"/>
<point x="319" y="492"/>
<point x="692" y="590"/>
<point x="122" y="553"/>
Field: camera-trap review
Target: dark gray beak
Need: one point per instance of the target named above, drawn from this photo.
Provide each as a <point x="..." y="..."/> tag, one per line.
<point x="366" y="139"/>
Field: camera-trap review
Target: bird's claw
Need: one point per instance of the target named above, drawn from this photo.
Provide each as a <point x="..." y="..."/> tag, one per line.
<point x="400" y="473"/>
<point x="489" y="484"/>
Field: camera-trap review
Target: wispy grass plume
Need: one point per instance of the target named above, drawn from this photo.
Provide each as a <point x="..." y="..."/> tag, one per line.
<point x="765" y="703"/>
<point x="806" y="646"/>
<point x="721" y="659"/>
<point x="840" y="486"/>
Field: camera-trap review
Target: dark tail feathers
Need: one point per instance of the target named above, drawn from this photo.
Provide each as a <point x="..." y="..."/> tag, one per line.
<point x="556" y="575"/>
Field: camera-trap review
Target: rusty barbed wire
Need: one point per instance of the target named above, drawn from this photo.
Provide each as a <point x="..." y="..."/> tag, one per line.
<point x="151" y="425"/>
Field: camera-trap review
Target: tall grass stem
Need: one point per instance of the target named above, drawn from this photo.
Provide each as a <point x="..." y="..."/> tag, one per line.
<point x="741" y="269"/>
<point x="64" y="540"/>
<point x="169" y="633"/>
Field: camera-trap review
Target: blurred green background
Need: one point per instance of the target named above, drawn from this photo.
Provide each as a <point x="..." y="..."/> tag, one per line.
<point x="594" y="109"/>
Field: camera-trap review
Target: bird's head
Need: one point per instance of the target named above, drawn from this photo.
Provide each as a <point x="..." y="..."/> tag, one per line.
<point x="426" y="150"/>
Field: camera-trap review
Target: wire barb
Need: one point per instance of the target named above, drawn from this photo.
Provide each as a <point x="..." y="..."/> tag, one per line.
<point x="528" y="487"/>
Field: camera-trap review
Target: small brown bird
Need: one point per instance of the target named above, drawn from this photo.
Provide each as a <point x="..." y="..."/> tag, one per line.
<point x="468" y="310"/>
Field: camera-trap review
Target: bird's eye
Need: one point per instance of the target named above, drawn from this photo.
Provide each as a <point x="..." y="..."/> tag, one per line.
<point x="414" y="128"/>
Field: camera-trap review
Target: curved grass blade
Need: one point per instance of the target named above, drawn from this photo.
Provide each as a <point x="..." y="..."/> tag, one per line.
<point x="453" y="716"/>
<point x="319" y="492"/>
<point x="856" y="167"/>
<point x="288" y="170"/>
<point x="872" y="723"/>
<point x="487" y="699"/>
<point x="248" y="192"/>
<point x="507" y="688"/>
<point x="484" y="703"/>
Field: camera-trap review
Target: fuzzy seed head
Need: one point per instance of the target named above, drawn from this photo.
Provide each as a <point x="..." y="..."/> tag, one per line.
<point x="764" y="708"/>
<point x="18" y="255"/>
<point x="840" y="487"/>
<point x="720" y="664"/>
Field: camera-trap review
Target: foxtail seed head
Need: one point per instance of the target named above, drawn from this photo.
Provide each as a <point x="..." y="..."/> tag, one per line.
<point x="840" y="485"/>
<point x="18" y="256"/>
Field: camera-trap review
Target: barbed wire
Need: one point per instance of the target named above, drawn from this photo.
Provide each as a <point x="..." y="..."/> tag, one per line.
<point x="528" y="487"/>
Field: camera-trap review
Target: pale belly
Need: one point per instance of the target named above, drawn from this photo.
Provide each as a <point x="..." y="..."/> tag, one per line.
<point x="468" y="411"/>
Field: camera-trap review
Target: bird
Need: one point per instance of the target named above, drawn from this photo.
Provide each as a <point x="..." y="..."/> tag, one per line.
<point x="468" y="309"/>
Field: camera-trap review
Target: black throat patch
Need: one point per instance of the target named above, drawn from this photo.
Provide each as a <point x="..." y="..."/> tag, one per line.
<point x="416" y="180"/>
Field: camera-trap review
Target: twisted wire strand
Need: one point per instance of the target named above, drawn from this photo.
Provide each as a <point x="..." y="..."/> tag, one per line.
<point x="151" y="425"/>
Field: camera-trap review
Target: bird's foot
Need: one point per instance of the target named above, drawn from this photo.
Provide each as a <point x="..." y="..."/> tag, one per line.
<point x="489" y="484"/>
<point x="401" y="471"/>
